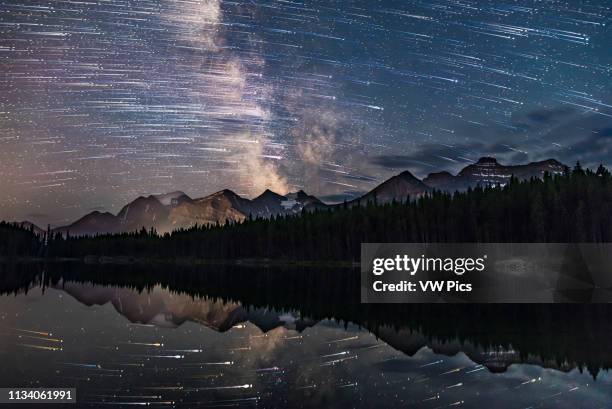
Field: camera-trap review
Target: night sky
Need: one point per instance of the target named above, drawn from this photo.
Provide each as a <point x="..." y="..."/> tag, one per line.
<point x="105" y="100"/>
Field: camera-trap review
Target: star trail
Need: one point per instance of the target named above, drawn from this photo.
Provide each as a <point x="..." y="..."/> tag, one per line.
<point x="105" y="100"/>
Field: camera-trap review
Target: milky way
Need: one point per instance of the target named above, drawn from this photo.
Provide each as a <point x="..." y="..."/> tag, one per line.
<point x="105" y="100"/>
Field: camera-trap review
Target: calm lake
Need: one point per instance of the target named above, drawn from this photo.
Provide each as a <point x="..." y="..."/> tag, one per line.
<point x="181" y="336"/>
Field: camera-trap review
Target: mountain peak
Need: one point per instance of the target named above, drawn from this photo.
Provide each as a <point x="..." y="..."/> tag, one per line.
<point x="551" y="161"/>
<point x="92" y="223"/>
<point x="487" y="161"/>
<point x="407" y="175"/>
<point x="268" y="194"/>
<point x="98" y="213"/>
<point x="227" y="192"/>
<point x="399" y="187"/>
<point x="440" y="180"/>
<point x="443" y="173"/>
<point x="145" y="199"/>
<point x="172" y="198"/>
<point x="300" y="194"/>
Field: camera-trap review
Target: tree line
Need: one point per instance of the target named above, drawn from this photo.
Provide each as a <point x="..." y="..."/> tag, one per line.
<point x="572" y="207"/>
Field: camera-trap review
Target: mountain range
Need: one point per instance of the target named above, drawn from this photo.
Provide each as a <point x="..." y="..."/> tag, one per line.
<point x="176" y="210"/>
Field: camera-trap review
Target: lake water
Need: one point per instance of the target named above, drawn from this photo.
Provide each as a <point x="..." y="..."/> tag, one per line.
<point x="202" y="337"/>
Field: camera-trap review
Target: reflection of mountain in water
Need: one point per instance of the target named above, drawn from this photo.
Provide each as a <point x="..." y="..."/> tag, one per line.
<point x="496" y="336"/>
<point x="163" y="308"/>
<point x="494" y="359"/>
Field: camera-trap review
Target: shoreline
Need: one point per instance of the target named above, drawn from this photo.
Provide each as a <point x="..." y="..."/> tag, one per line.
<point x="127" y="260"/>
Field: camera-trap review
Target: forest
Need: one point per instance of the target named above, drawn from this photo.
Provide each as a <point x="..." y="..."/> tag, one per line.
<point x="18" y="241"/>
<point x="572" y="207"/>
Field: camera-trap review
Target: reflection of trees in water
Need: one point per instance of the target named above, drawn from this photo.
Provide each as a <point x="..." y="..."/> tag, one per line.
<point x="559" y="335"/>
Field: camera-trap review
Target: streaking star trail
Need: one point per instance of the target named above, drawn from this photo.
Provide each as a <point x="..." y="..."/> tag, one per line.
<point x="103" y="101"/>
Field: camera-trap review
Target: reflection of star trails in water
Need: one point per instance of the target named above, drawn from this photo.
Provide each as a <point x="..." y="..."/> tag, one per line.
<point x="38" y="336"/>
<point x="478" y="368"/>
<point x="271" y="369"/>
<point x="159" y="356"/>
<point x="371" y="347"/>
<point x="342" y="340"/>
<point x="336" y="354"/>
<point x="455" y="385"/>
<point x="337" y="361"/>
<point x="214" y="388"/>
<point x="91" y="366"/>
<point x="41" y="347"/>
<point x="46" y="334"/>
<point x="533" y="380"/>
<point x="432" y="363"/>
<point x="348" y="385"/>
<point x="154" y="344"/>
<point x="255" y="398"/>
<point x="41" y="338"/>
<point x="209" y="363"/>
<point x="207" y="376"/>
<point x="221" y="403"/>
<point x="240" y="349"/>
<point x="453" y="370"/>
<point x="95" y="367"/>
